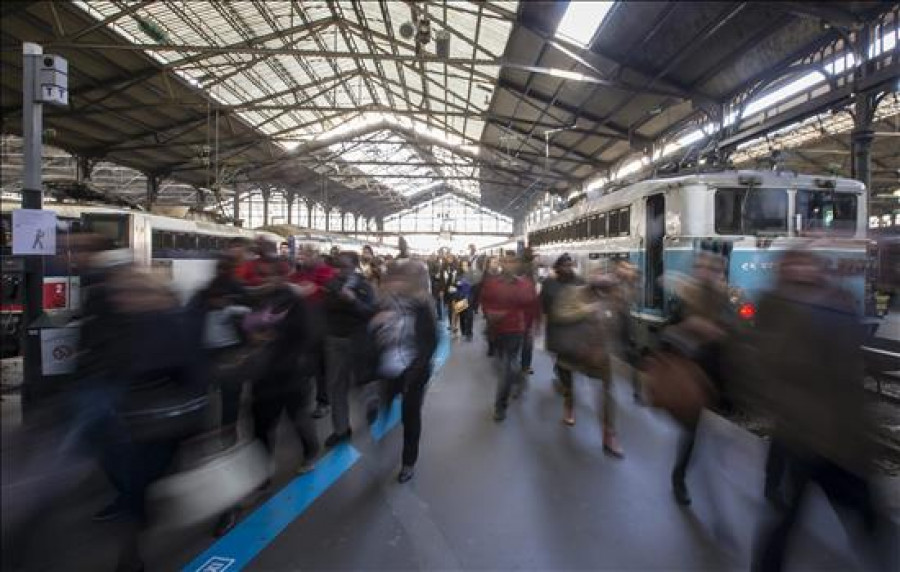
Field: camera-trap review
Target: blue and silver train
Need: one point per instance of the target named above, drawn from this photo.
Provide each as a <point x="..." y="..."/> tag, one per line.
<point x="749" y="217"/>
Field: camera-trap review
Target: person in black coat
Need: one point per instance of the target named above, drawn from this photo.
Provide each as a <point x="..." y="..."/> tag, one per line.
<point x="349" y="304"/>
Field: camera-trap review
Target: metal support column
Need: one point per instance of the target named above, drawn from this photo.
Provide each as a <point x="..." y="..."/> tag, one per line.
<point x="309" y="213"/>
<point x="236" y="204"/>
<point x="864" y="105"/>
<point x="32" y="198"/>
<point x="289" y="198"/>
<point x="153" y="184"/>
<point x="266" y="193"/>
<point x="84" y="168"/>
<point x="861" y="143"/>
<point x="327" y="219"/>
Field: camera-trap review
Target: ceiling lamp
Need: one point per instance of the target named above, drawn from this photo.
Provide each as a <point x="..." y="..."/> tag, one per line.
<point x="407" y="30"/>
<point x="153" y="30"/>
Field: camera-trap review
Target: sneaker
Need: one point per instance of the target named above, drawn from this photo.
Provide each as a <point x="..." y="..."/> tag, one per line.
<point x="406" y="473"/>
<point x="113" y="511"/>
<point x="226" y="522"/>
<point x="321" y="411"/>
<point x="568" y="415"/>
<point x="337" y="438"/>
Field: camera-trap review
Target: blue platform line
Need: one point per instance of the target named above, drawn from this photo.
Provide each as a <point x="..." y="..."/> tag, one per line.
<point x="390" y="417"/>
<point x="244" y="542"/>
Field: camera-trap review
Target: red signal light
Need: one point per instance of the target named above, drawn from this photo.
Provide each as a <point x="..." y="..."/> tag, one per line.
<point x="747" y="311"/>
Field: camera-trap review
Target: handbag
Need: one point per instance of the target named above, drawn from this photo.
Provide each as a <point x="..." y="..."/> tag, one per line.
<point x="677" y="385"/>
<point x="460" y="306"/>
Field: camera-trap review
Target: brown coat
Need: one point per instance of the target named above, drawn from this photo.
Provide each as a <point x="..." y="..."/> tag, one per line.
<point x="583" y="325"/>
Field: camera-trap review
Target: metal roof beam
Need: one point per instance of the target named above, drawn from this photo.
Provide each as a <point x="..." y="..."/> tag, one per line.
<point x="206" y="50"/>
<point x="619" y="130"/>
<point x="828" y="12"/>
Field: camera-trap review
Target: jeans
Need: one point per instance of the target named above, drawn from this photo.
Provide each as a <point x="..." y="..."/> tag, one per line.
<point x="288" y="392"/>
<point x="509" y="349"/>
<point x="527" y="350"/>
<point x="412" y="385"/>
<point x="339" y="365"/>
<point x="466" y="319"/>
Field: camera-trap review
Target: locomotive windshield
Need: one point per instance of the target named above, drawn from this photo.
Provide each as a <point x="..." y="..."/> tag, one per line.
<point x="747" y="210"/>
<point x="826" y="210"/>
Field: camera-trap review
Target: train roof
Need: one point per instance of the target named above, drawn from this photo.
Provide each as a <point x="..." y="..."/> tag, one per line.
<point x="627" y="195"/>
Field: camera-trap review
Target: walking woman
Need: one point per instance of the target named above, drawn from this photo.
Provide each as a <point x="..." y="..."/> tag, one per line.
<point x="405" y="330"/>
<point x="583" y="331"/>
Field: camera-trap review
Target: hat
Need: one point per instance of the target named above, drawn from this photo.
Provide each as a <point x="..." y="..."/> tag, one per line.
<point x="563" y="259"/>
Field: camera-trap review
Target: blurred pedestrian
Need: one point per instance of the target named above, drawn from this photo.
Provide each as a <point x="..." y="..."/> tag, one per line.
<point x="349" y="304"/>
<point x="285" y="384"/>
<point x="138" y="367"/>
<point x="810" y="354"/>
<point x="312" y="274"/>
<point x="701" y="323"/>
<point x="405" y="331"/>
<point x="564" y="277"/>
<point x="509" y="303"/>
<point x="584" y="325"/>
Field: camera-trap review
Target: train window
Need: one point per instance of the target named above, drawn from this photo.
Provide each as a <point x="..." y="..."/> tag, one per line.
<point x="826" y="210"/>
<point x="750" y="211"/>
<point x="600" y="226"/>
<point x="625" y="221"/>
<point x="112" y="227"/>
<point x="584" y="228"/>
<point x="613" y="217"/>
<point x="184" y="241"/>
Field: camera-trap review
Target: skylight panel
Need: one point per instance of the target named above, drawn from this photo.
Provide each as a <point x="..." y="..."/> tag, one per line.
<point x="582" y="20"/>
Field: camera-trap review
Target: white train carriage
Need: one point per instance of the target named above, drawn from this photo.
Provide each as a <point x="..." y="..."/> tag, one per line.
<point x="182" y="250"/>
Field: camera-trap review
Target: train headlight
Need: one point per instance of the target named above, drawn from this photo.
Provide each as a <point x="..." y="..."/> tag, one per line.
<point x="747" y="311"/>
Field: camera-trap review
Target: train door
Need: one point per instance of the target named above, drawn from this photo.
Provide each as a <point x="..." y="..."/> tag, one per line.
<point x="653" y="255"/>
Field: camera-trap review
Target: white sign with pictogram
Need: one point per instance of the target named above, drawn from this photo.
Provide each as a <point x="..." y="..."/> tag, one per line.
<point x="34" y="232"/>
<point x="59" y="347"/>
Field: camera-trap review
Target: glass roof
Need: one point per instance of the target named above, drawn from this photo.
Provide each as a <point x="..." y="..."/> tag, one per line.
<point x="298" y="71"/>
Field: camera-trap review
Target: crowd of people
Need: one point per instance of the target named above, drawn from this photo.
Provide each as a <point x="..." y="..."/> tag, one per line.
<point x="272" y="336"/>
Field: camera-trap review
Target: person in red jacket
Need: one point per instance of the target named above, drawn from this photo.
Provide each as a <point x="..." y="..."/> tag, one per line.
<point x="510" y="304"/>
<point x="311" y="275"/>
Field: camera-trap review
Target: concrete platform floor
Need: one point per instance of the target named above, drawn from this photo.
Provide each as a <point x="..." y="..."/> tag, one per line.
<point x="526" y="494"/>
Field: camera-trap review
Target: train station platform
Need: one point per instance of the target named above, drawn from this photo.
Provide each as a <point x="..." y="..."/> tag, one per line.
<point x="529" y="493"/>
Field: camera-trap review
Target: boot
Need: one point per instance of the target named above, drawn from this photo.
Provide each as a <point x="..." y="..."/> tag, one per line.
<point x="611" y="444"/>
